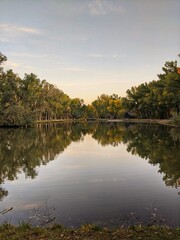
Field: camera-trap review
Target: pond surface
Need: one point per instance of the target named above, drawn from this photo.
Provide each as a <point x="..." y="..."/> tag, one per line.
<point x="107" y="174"/>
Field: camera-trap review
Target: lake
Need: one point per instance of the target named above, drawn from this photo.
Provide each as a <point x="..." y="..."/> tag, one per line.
<point x="108" y="174"/>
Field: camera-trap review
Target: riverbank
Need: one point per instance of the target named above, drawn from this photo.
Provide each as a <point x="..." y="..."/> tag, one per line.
<point x="123" y="120"/>
<point x="103" y="120"/>
<point x="166" y="122"/>
<point x="87" y="232"/>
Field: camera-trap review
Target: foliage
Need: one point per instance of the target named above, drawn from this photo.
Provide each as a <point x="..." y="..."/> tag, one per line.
<point x="108" y="107"/>
<point x="156" y="99"/>
<point x="24" y="101"/>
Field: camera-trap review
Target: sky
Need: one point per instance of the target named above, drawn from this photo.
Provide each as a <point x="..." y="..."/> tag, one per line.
<point x="90" y="47"/>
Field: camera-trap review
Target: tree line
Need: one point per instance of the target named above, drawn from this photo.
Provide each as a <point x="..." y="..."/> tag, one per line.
<point x="29" y="99"/>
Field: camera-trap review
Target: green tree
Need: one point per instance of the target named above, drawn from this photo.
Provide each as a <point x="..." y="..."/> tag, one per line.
<point x="12" y="109"/>
<point x="156" y="99"/>
<point x="77" y="108"/>
<point x="108" y="106"/>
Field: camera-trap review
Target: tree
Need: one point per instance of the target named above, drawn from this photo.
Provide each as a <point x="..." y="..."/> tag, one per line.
<point x="108" y="106"/>
<point x="77" y="108"/>
<point x="12" y="110"/>
<point x="156" y="99"/>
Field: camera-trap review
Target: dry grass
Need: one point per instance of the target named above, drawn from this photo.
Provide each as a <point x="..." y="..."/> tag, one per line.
<point x="87" y="232"/>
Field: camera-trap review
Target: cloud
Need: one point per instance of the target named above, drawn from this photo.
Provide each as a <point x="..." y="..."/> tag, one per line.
<point x="18" y="29"/>
<point x="9" y="31"/>
<point x="30" y="206"/>
<point x="115" y="56"/>
<point x="28" y="55"/>
<point x="73" y="69"/>
<point x="104" y="7"/>
<point x="28" y="30"/>
<point x="29" y="68"/>
<point x="5" y="39"/>
<point x="101" y="56"/>
<point x="96" y="56"/>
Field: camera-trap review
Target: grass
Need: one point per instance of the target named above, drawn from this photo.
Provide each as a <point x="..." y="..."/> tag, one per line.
<point x="25" y="231"/>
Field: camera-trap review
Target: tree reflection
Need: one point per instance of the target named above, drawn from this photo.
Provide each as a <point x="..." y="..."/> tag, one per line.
<point x="3" y="193"/>
<point x="109" y="134"/>
<point x="158" y="144"/>
<point x="22" y="150"/>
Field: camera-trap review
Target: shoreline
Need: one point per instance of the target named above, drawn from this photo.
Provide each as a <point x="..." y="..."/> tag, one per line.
<point x="166" y="122"/>
<point x="104" y="120"/>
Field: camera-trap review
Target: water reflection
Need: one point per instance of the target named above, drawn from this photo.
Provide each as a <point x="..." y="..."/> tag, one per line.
<point x="159" y="145"/>
<point x="22" y="150"/>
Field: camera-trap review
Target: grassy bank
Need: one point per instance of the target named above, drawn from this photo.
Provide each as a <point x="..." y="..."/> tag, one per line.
<point x="87" y="232"/>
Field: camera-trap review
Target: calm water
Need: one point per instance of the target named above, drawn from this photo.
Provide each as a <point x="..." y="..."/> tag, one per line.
<point x="107" y="174"/>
